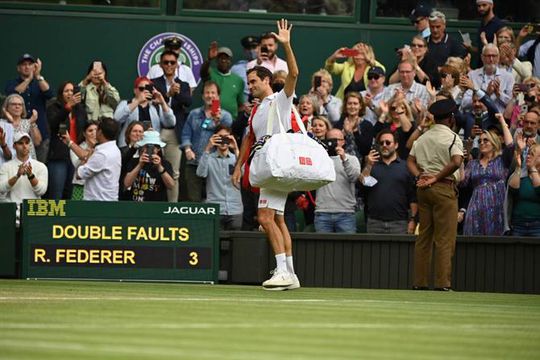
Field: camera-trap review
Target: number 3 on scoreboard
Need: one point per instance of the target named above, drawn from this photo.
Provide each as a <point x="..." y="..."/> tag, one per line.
<point x="193" y="258"/>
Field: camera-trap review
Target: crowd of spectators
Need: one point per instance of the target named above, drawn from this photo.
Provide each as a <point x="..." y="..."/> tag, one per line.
<point x="86" y="143"/>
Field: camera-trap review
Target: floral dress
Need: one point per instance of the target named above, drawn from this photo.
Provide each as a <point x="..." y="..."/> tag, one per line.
<point x="485" y="213"/>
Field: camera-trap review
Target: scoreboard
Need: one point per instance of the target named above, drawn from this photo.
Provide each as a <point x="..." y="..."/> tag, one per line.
<point x="120" y="240"/>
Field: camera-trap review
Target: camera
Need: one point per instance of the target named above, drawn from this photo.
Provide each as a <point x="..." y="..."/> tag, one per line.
<point x="331" y="145"/>
<point x="225" y="140"/>
<point x="150" y="150"/>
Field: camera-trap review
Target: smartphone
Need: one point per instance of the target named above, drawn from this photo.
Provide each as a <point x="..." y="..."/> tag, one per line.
<point x="264" y="49"/>
<point x="317" y="80"/>
<point x="331" y="145"/>
<point x="215" y="106"/>
<point x="76" y="89"/>
<point x="522" y="87"/>
<point x="524" y="109"/>
<point x="478" y="121"/>
<point x="349" y="52"/>
<point x="376" y="147"/>
<point x="62" y="129"/>
<point x="149" y="88"/>
<point x="98" y="66"/>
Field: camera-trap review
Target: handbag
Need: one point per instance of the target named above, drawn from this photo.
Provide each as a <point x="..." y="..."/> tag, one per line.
<point x="290" y="161"/>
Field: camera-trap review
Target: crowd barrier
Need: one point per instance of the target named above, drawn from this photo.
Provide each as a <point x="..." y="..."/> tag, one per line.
<point x="484" y="264"/>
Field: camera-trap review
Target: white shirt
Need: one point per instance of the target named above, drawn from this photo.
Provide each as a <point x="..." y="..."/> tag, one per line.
<point x="523" y="49"/>
<point x="273" y="66"/>
<point x="260" y="119"/>
<point x="102" y="173"/>
<point x="183" y="72"/>
<point x="22" y="189"/>
<point x="481" y="81"/>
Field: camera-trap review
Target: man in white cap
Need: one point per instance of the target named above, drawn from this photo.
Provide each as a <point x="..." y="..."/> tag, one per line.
<point x="231" y="85"/>
<point x="22" y="177"/>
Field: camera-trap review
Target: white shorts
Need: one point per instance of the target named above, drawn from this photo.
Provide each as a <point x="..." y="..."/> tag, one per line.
<point x="273" y="199"/>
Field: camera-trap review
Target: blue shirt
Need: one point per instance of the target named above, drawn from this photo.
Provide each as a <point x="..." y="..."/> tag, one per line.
<point x="196" y="136"/>
<point x="218" y="170"/>
<point x="34" y="99"/>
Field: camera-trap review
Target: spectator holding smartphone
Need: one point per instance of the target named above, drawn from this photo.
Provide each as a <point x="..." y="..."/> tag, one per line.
<point x="98" y="95"/>
<point x="267" y="56"/>
<point x="148" y="106"/>
<point x="354" y="70"/>
<point x="487" y="176"/>
<point x="66" y="116"/>
<point x="216" y="166"/>
<point x="200" y="126"/>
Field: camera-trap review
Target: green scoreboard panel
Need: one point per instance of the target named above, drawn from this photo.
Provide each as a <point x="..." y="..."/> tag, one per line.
<point x="120" y="240"/>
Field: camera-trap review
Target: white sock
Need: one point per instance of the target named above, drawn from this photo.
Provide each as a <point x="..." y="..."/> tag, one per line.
<point x="290" y="265"/>
<point x="281" y="262"/>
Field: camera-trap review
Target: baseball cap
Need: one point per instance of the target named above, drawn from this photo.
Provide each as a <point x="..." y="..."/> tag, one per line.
<point x="20" y="135"/>
<point x="376" y="70"/>
<point x="26" y="57"/>
<point x="419" y="11"/>
<point x="225" y="50"/>
<point x="249" y="41"/>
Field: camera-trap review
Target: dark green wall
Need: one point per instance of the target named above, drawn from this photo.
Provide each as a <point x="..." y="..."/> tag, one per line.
<point x="68" y="42"/>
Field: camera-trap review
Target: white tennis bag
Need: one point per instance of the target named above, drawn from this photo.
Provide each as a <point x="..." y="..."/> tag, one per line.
<point x="290" y="162"/>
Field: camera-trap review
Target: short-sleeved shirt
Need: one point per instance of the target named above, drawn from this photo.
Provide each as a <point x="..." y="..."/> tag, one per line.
<point x="434" y="150"/>
<point x="284" y="107"/>
<point x="448" y="46"/>
<point x="231" y="90"/>
<point x="148" y="185"/>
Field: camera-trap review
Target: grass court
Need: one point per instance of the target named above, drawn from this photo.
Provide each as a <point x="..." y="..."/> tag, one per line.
<point x="120" y="320"/>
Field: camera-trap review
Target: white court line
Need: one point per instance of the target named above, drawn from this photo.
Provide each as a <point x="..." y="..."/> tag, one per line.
<point x="259" y="325"/>
<point x="258" y="300"/>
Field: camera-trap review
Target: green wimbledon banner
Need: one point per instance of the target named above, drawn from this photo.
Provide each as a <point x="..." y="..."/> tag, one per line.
<point x="120" y="240"/>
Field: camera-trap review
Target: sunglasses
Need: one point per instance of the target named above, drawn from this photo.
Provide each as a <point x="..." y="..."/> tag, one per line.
<point x="417" y="45"/>
<point x="483" y="141"/>
<point x="373" y="77"/>
<point x="385" y="142"/>
<point x="443" y="75"/>
<point x="417" y="20"/>
<point x="393" y="108"/>
<point x="168" y="62"/>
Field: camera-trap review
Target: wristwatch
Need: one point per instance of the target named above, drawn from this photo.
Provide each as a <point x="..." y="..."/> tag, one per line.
<point x="40" y="78"/>
<point x="31" y="177"/>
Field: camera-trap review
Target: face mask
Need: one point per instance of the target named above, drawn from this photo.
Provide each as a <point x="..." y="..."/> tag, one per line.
<point x="277" y="87"/>
<point x="252" y="54"/>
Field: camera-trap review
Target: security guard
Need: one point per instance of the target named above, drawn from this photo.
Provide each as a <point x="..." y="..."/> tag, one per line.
<point x="434" y="160"/>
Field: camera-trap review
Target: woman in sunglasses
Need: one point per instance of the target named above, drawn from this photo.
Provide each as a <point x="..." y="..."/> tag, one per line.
<point x="487" y="177"/>
<point x="147" y="106"/>
<point x="425" y="67"/>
